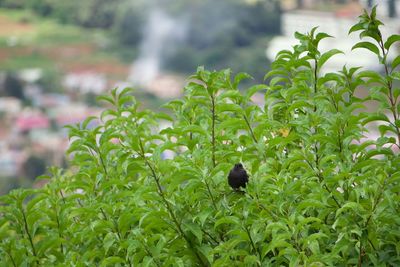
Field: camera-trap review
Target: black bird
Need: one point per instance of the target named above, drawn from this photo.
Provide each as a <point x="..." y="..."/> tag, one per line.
<point x="238" y="177"/>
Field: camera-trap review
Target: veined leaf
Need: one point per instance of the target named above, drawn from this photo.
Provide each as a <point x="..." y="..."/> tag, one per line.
<point x="111" y="261"/>
<point x="254" y="89"/>
<point x="229" y="107"/>
<point x="356" y="27"/>
<point x="239" y="77"/>
<point x="367" y="45"/>
<point x="231" y="94"/>
<point x="353" y="206"/>
<point x="375" y="117"/>
<point x="392" y="39"/>
<point x="194" y="129"/>
<point x="106" y="98"/>
<point x="226" y="220"/>
<point x="395" y="62"/>
<point x="322" y="35"/>
<point x="195" y="230"/>
<point x="327" y="55"/>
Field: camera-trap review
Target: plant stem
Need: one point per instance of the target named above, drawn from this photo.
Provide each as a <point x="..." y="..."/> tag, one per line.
<point x="389" y="84"/>
<point x="211" y="195"/>
<point x="252" y="243"/>
<point x="11" y="257"/>
<point x="59" y="231"/>
<point x="168" y="205"/>
<point x="213" y="117"/>
<point x="360" y="254"/>
<point x="250" y="129"/>
<point x="29" y="236"/>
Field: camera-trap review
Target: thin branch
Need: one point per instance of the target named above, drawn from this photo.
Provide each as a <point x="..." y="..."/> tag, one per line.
<point x="213" y="118"/>
<point x="393" y="101"/>
<point x="167" y="204"/>
<point x="29" y="236"/>
<point x="11" y="257"/>
<point x="210" y="194"/>
<point x="253" y="245"/>
<point x="250" y="129"/>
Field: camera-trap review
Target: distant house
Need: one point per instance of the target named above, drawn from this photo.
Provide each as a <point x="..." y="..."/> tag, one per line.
<point x="85" y="82"/>
<point x="9" y="161"/>
<point x="8" y="164"/>
<point x="10" y="105"/>
<point x="73" y="113"/>
<point x="30" y="75"/>
<point x="387" y="8"/>
<point x="31" y="119"/>
<point x="52" y="100"/>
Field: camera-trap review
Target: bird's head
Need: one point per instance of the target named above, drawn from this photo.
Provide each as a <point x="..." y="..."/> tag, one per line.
<point x="238" y="166"/>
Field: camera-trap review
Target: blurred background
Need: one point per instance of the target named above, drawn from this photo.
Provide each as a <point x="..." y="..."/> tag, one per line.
<point x="56" y="56"/>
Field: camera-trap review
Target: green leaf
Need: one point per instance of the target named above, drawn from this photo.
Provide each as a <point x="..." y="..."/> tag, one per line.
<point x="375" y="117"/>
<point x="381" y="151"/>
<point x="195" y="230"/>
<point x="373" y="76"/>
<point x="194" y="129"/>
<point x="395" y="62"/>
<point x="277" y="80"/>
<point x="367" y="45"/>
<point x="356" y="27"/>
<point x="386" y="128"/>
<point x="395" y="75"/>
<point x="163" y="116"/>
<point x="229" y="107"/>
<point x="276" y="243"/>
<point x="231" y="94"/>
<point x="240" y="77"/>
<point x="226" y="220"/>
<point x="51" y="241"/>
<point x="327" y="55"/>
<point x="392" y="39"/>
<point x="106" y="98"/>
<point x="322" y="35"/>
<point x="111" y="261"/>
<point x="353" y="206"/>
<point x="108" y="241"/>
<point x="254" y="89"/>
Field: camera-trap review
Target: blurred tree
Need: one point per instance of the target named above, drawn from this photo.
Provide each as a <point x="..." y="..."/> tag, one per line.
<point x="98" y="13"/>
<point x="218" y="30"/>
<point x="128" y="25"/>
<point x="33" y="167"/>
<point x="12" y="3"/>
<point x="7" y="184"/>
<point x="392" y="8"/>
<point x="41" y="7"/>
<point x="51" y="81"/>
<point x="12" y="86"/>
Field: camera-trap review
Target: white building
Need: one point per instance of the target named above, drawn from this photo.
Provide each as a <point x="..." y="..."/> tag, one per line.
<point x="337" y="24"/>
<point x="85" y="82"/>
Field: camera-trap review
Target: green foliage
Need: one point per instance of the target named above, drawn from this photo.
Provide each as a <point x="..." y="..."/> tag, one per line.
<point x="319" y="193"/>
<point x="90" y="13"/>
<point x="218" y="33"/>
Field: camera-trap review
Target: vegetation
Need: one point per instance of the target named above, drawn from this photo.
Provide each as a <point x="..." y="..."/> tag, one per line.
<point x="225" y="28"/>
<point x="319" y="194"/>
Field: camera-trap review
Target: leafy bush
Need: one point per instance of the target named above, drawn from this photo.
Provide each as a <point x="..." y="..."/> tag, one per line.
<point x="319" y="193"/>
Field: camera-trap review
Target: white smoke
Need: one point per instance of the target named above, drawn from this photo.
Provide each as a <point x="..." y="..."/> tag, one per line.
<point x="161" y="31"/>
